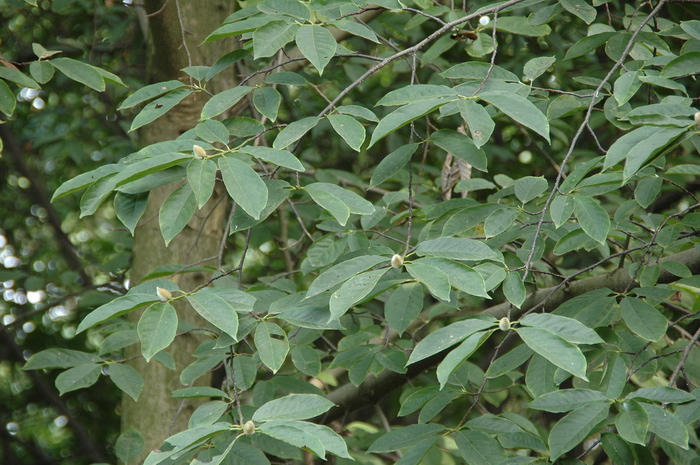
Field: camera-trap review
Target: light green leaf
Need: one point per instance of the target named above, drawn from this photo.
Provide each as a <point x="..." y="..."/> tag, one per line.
<point x="626" y="86"/>
<point x="478" y="448"/>
<point x="272" y="344"/>
<point x="293" y="407"/>
<point x="519" y="108"/>
<point x="580" y="8"/>
<point x="353" y="291"/>
<point x="358" y="111"/>
<point x="201" y="175"/>
<point x="58" y="358"/>
<point x="554" y="348"/>
<point x="441" y="339"/>
<point x="7" y="99"/>
<point x="157" y="328"/>
<point x="404" y="115"/>
<point x="307" y="360"/>
<point x="530" y="187"/>
<point x="270" y="38"/>
<point x="222" y="101"/>
<point x="207" y="414"/>
<point x="460" y="146"/>
<point x="403" y="306"/>
<point x="391" y="164"/>
<point x="216" y="311"/>
<point x="267" y="101"/>
<point x="574" y="428"/>
<point x="686" y="64"/>
<point x="318" y="438"/>
<point x="295" y="131"/>
<point x="460" y="354"/>
<point x="117" y="307"/>
<point x="80" y="72"/>
<point x="10" y="74"/>
<point x="565" y="400"/>
<point x="638" y="146"/>
<point x="158" y="108"/>
<point x="536" y="67"/>
<point x="126" y="378"/>
<point x="643" y="319"/>
<point x="520" y="25"/>
<point x="282" y="158"/>
<point x="349" y="129"/>
<point x="244" y="185"/>
<point x="479" y="122"/>
<point x="176" y="212"/>
<point x="212" y="131"/>
<point x="130" y="208"/>
<point x="436" y="280"/>
<point x="456" y="248"/>
<point x="342" y="272"/>
<point x="593" y="218"/>
<point x="78" y="377"/>
<point x="148" y="92"/>
<point x="632" y="422"/>
<point x="129" y="445"/>
<point x="461" y="276"/>
<point x="570" y="329"/>
<point x="317" y="44"/>
<point x="663" y="394"/>
<point x="332" y="194"/>
<point x="514" y="288"/>
<point x="400" y="438"/>
<point x="665" y="425"/>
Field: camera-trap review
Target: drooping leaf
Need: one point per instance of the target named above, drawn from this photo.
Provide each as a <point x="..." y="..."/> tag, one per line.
<point x="354" y="290"/>
<point x="593" y="218"/>
<point x="126" y="378"/>
<point x="643" y="319"/>
<point x="404" y="115"/>
<point x="78" y="377"/>
<point x="272" y="344"/>
<point x="441" y="339"/>
<point x="520" y="109"/>
<point x="404" y="305"/>
<point x="176" y="212"/>
<point x="216" y="311"/>
<point x="317" y="44"/>
<point x="571" y="430"/>
<point x="156" y="328"/>
<point x="244" y="185"/>
<point x="222" y="101"/>
<point x="391" y="164"/>
<point x="349" y="129"/>
<point x="159" y="107"/>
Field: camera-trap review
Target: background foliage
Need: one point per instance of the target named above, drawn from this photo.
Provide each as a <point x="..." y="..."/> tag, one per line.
<point x="456" y="233"/>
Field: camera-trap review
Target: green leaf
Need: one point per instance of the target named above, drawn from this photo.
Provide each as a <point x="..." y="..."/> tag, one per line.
<point x="570" y="329"/>
<point x="580" y="8"/>
<point x="643" y="319"/>
<point x="339" y="201"/>
<point x="456" y="248"/>
<point x="293" y="407"/>
<point x="352" y="291"/>
<point x="561" y="209"/>
<point x="403" y="306"/>
<point x="158" y="108"/>
<point x="460" y="354"/>
<point x="404" y="115"/>
<point x="647" y="190"/>
<point x="665" y="425"/>
<point x="148" y="92"/>
<point x="270" y="38"/>
<point x="436" y="280"/>
<point x="638" y="146"/>
<point x="318" y="438"/>
<point x="267" y="101"/>
<point x="244" y="185"/>
<point x="222" y="101"/>
<point x="130" y="208"/>
<point x="10" y="74"/>
<point x="129" y="445"/>
<point x="500" y="220"/>
<point x="518" y="108"/>
<point x="461" y="276"/>
<point x="212" y="131"/>
<point x="686" y="64"/>
<point x="358" y="111"/>
<point x="536" y="67"/>
<point x="126" y="378"/>
<point x="117" y="307"/>
<point x="282" y="158"/>
<point x="632" y="422"/>
<point x="272" y="344"/>
<point x="509" y="362"/>
<point x="441" y="339"/>
<point x="78" y="377"/>
<point x="7" y="99"/>
<point x="530" y="187"/>
<point x="176" y="212"/>
<point x="664" y="394"/>
<point x="478" y="448"/>
<point x="626" y="86"/>
<point x="295" y="131"/>
<point x="58" y="358"/>
<point x="201" y="175"/>
<point x="342" y="272"/>
<point x="216" y="311"/>
<point x="157" y="328"/>
<point x="245" y="371"/>
<point x="520" y="25"/>
<point x="415" y="93"/>
<point x="574" y="428"/>
<point x="460" y="146"/>
<point x="514" y="288"/>
<point x="198" y="392"/>
<point x="565" y="400"/>
<point x="400" y="438"/>
<point x="554" y="348"/>
<point x="208" y="413"/>
<point x="478" y="120"/>
<point x="356" y="29"/>
<point x="391" y="164"/>
<point x="593" y="218"/>
<point x="307" y="360"/>
<point x="349" y="129"/>
<point x="317" y="44"/>
<point x="284" y="7"/>
<point x="80" y="72"/>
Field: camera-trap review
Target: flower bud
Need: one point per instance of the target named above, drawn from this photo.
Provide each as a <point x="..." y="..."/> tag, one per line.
<point x="199" y="152"/>
<point x="696" y="117"/>
<point x="249" y="428"/>
<point x="397" y="261"/>
<point x="163" y="294"/>
<point x="504" y="324"/>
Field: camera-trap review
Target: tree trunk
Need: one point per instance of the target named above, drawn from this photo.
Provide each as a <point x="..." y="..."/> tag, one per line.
<point x="157" y="415"/>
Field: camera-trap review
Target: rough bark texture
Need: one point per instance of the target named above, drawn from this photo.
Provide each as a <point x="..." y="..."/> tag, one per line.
<point x="157" y="415"/>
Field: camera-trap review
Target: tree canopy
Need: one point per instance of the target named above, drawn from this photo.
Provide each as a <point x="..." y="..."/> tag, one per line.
<point x="402" y="232"/>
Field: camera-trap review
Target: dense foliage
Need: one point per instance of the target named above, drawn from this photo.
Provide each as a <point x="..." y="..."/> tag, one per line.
<point x="456" y="233"/>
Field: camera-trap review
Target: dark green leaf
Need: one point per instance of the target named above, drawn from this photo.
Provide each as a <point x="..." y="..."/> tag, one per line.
<point x="446" y="337"/>
<point x="554" y="348"/>
<point x="574" y="428"/>
<point x="222" y="101"/>
<point x="317" y="44"/>
<point x="244" y="185"/>
<point x="519" y="108"/>
<point x="643" y="319"/>
<point x="391" y="164"/>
